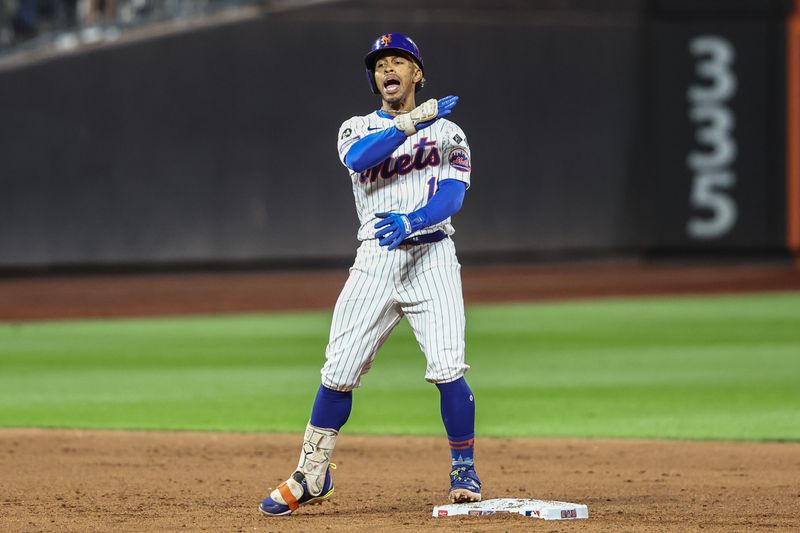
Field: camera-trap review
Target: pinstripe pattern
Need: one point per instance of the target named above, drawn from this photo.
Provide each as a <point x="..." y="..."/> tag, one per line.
<point x="420" y="282"/>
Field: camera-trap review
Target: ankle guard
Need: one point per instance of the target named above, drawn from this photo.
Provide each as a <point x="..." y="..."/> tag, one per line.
<point x="318" y="446"/>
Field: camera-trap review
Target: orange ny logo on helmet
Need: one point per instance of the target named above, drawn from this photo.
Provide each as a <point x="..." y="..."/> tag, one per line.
<point x="386" y="39"/>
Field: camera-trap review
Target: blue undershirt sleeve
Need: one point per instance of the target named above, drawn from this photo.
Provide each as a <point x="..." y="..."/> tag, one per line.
<point x="374" y="148"/>
<point x="445" y="203"/>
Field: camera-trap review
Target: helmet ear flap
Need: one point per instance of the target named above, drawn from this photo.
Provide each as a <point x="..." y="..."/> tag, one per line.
<point x="371" y="81"/>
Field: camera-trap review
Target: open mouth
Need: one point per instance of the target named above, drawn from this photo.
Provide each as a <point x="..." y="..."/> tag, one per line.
<point x="391" y="84"/>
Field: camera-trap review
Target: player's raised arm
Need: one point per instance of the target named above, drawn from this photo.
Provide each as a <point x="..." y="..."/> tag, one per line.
<point x="369" y="150"/>
<point x="372" y="149"/>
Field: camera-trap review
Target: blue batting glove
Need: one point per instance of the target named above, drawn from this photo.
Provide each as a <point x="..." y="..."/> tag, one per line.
<point x="392" y="230"/>
<point x="395" y="227"/>
<point x="445" y="106"/>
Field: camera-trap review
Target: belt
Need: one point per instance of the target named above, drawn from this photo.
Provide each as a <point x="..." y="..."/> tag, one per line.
<point x="427" y="238"/>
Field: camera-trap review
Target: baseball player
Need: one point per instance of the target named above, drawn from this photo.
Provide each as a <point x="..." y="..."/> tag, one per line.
<point x="410" y="168"/>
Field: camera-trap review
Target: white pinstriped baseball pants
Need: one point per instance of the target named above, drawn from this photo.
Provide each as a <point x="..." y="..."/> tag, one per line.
<point x="421" y="282"/>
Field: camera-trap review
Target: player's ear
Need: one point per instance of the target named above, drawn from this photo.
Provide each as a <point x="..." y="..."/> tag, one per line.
<point x="417" y="74"/>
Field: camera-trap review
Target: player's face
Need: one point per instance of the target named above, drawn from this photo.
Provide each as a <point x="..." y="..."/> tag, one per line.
<point x="396" y="77"/>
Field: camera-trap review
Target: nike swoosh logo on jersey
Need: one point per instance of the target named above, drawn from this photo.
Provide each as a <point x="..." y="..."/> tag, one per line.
<point x="372" y="129"/>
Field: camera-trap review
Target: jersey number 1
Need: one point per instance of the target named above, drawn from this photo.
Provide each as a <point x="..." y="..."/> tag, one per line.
<point x="431" y="187"/>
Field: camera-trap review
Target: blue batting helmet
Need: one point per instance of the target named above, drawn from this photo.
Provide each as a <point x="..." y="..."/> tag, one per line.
<point x="397" y="42"/>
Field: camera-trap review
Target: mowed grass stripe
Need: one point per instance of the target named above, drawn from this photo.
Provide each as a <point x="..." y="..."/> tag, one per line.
<point x="724" y="367"/>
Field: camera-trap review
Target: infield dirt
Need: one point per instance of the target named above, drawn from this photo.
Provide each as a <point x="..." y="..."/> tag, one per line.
<point x="71" y="480"/>
<point x="57" y="480"/>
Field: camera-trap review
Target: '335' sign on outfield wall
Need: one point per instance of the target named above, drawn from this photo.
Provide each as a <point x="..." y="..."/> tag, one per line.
<point x="711" y="161"/>
<point x="713" y="170"/>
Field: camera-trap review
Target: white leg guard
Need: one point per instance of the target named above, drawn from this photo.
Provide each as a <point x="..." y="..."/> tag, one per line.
<point x="316" y="454"/>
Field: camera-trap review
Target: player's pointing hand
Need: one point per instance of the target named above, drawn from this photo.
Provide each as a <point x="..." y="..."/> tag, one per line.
<point x="445" y="106"/>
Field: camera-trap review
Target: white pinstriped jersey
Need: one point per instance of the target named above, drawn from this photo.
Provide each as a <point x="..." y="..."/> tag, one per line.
<point x="408" y="178"/>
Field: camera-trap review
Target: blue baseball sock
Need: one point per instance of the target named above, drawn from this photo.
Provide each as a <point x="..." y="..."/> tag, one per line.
<point x="458" y="415"/>
<point x="331" y="408"/>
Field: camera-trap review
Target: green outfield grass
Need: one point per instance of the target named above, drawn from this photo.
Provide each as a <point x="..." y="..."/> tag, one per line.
<point x="723" y="367"/>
